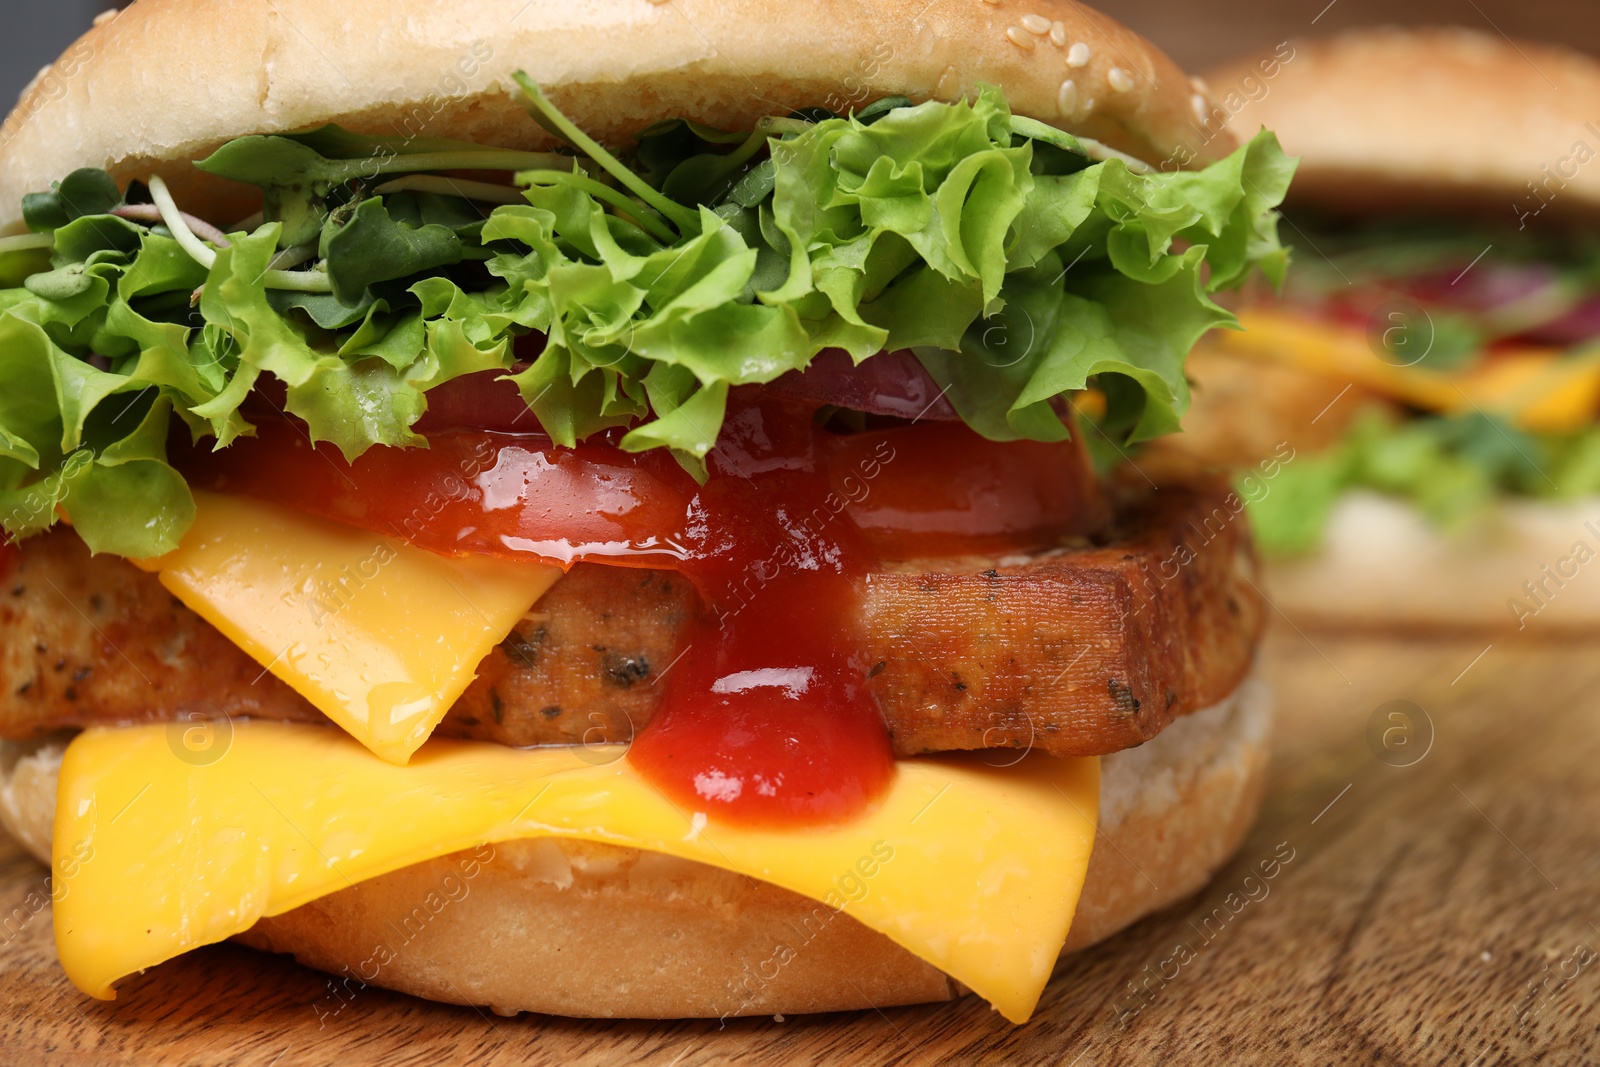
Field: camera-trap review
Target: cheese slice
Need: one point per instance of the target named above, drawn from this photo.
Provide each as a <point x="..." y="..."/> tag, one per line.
<point x="973" y="868"/>
<point x="1544" y="390"/>
<point x="1336" y="352"/>
<point x="379" y="636"/>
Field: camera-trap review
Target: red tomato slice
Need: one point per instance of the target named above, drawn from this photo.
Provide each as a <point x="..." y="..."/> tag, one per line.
<point x="472" y="493"/>
<point x="938" y="489"/>
<point x="917" y="490"/>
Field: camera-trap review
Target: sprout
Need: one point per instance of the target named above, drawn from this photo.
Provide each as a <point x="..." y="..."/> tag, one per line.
<point x="151" y="213"/>
<point x="302" y="281"/>
<point x="686" y="219"/>
<point x="486" y="192"/>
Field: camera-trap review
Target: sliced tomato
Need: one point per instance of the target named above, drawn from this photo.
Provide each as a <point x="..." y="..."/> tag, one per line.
<point x="938" y="489"/>
<point x="471" y="493"/>
<point x="915" y="490"/>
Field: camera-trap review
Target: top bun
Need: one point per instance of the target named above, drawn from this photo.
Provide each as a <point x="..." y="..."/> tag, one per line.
<point x="1443" y="118"/>
<point x="167" y="81"/>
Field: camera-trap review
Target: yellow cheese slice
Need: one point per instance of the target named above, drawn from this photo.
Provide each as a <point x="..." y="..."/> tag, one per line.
<point x="1544" y="390"/>
<point x="975" y="869"/>
<point x="1336" y="352"/>
<point x="379" y="636"/>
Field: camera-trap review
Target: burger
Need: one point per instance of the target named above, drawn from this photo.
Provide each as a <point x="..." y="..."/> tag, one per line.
<point x="593" y="510"/>
<point x="1415" y="417"/>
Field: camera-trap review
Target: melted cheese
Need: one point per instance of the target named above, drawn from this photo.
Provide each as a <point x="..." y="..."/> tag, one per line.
<point x="160" y="855"/>
<point x="379" y="636"/>
<point x="1541" y="389"/>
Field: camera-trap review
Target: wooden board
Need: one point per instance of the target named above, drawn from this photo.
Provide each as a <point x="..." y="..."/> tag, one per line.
<point x="1443" y="911"/>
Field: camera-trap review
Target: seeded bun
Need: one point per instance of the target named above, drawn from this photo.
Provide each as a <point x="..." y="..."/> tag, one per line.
<point x="1448" y="119"/>
<point x="579" y="929"/>
<point x="167" y="81"/>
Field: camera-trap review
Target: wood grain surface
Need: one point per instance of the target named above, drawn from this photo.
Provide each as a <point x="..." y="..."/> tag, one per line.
<point x="1438" y="906"/>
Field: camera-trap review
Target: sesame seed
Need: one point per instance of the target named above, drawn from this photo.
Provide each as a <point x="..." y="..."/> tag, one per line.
<point x="1078" y="55"/>
<point x="1202" y="110"/>
<point x="1120" y="79"/>
<point x="1020" y="37"/>
<point x="1058" y="34"/>
<point x="1199" y="85"/>
<point x="1067" y="99"/>
<point x="105" y="17"/>
<point x="1036" y="24"/>
<point x="1086" y="106"/>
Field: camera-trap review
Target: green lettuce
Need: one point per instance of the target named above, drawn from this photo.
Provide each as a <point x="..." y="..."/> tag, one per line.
<point x="1017" y="267"/>
<point x="1452" y="468"/>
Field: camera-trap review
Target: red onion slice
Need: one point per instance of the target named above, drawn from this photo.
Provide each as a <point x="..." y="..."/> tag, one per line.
<point x="1579" y="326"/>
<point x="482" y="401"/>
<point x="889" y="383"/>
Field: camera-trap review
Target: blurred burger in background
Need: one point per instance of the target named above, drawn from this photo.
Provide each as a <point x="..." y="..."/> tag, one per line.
<point x="1415" y="413"/>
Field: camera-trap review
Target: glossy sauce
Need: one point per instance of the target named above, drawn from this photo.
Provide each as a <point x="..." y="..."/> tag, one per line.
<point x="765" y="717"/>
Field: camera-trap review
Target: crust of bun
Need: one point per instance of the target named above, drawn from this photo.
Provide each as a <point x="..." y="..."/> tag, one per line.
<point x="1426" y="579"/>
<point x="167" y="81"/>
<point x="594" y="930"/>
<point x="29" y="772"/>
<point x="1441" y="118"/>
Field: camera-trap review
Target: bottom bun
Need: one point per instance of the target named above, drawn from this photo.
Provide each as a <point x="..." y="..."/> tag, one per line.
<point x="581" y="929"/>
<point x="1382" y="562"/>
<point x="29" y="772"/>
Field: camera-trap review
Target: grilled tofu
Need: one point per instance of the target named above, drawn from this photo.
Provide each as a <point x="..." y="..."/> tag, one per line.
<point x="1078" y="651"/>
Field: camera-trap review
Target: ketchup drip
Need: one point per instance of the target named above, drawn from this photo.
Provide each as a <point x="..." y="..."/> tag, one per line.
<point x="765" y="717"/>
<point x="766" y="714"/>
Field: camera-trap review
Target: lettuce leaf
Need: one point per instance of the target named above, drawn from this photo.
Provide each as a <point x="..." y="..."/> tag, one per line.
<point x="1452" y="468"/>
<point x="1017" y="267"/>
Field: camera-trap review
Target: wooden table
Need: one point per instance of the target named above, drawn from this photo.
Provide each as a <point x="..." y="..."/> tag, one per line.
<point x="1443" y="911"/>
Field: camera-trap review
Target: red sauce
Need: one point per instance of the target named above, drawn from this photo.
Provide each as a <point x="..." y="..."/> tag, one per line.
<point x="765" y="717"/>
